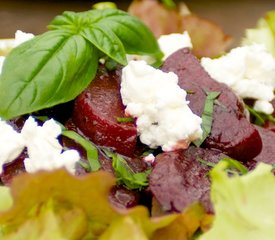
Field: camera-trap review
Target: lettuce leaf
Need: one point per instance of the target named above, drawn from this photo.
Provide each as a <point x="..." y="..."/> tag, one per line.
<point x="57" y="205"/>
<point x="243" y="204"/>
<point x="5" y="198"/>
<point x="43" y="198"/>
<point x="264" y="33"/>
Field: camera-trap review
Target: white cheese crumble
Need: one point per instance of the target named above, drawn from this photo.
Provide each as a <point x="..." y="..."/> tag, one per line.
<point x="249" y="71"/>
<point x="172" y="42"/>
<point x="149" y="158"/>
<point x="159" y="104"/>
<point x="11" y="144"/>
<point x="7" y="44"/>
<point x="44" y="150"/>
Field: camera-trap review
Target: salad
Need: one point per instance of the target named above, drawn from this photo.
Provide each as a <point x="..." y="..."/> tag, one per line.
<point x="121" y="127"/>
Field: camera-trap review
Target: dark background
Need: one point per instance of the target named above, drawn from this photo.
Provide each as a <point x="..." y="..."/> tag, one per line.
<point x="33" y="16"/>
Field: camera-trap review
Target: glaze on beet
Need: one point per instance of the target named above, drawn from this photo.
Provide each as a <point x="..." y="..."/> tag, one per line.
<point x="231" y="131"/>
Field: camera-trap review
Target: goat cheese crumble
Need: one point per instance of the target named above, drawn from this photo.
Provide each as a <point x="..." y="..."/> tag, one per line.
<point x="11" y="144"/>
<point x="159" y="104"/>
<point x="249" y="71"/>
<point x="44" y="150"/>
<point x="172" y="42"/>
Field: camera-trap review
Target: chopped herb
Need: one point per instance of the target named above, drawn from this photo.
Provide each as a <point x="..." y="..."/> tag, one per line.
<point x="260" y="118"/>
<point x="207" y="116"/>
<point x="207" y="163"/>
<point x="91" y="150"/>
<point x="190" y="92"/>
<point x="232" y="165"/>
<point x="169" y="3"/>
<point x="125" y="175"/>
<point x="235" y="165"/>
<point x="124" y="120"/>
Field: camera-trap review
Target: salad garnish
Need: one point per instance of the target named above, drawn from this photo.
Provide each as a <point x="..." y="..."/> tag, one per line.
<point x="56" y="66"/>
<point x="207" y="116"/>
<point x="125" y="175"/>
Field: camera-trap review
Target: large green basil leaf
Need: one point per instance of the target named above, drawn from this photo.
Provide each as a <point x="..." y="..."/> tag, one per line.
<point x="50" y="69"/>
<point x="112" y="31"/>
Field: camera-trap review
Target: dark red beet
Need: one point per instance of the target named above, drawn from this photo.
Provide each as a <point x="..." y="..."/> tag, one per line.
<point x="231" y="132"/>
<point x="12" y="169"/>
<point x="267" y="154"/>
<point x="96" y="111"/>
<point x="179" y="178"/>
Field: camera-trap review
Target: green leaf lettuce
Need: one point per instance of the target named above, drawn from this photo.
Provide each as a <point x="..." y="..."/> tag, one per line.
<point x="264" y="33"/>
<point x="243" y="205"/>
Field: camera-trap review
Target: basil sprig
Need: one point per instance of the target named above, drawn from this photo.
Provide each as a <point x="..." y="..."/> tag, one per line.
<point x="56" y="66"/>
<point x="207" y="116"/>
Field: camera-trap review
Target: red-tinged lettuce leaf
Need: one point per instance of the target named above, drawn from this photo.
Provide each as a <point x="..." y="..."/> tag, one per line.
<point x="31" y="192"/>
<point x="56" y="205"/>
<point x="208" y="38"/>
<point x="137" y="224"/>
<point x="159" y="19"/>
<point x="184" y="226"/>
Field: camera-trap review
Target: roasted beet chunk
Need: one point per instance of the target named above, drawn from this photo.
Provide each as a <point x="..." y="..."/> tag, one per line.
<point x="96" y="114"/>
<point x="180" y="178"/>
<point x="231" y="132"/>
<point x="267" y="154"/>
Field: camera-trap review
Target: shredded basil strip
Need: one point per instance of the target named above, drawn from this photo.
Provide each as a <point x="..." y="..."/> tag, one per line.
<point x="207" y="116"/>
<point x="125" y="175"/>
<point x="260" y="118"/>
<point x="234" y="164"/>
<point x="91" y="150"/>
<point x="124" y="120"/>
<point x="56" y="66"/>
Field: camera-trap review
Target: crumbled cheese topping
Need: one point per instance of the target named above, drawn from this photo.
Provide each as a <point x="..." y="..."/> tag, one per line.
<point x="159" y="104"/>
<point x="172" y="42"/>
<point x="249" y="71"/>
<point x="44" y="150"/>
<point x="149" y="158"/>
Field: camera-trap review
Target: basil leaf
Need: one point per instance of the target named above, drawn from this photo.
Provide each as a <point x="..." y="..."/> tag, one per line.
<point x="135" y="35"/>
<point x="58" y="65"/>
<point x="125" y="175"/>
<point x="50" y="69"/>
<point x="91" y="150"/>
<point x="112" y="31"/>
<point x="207" y="116"/>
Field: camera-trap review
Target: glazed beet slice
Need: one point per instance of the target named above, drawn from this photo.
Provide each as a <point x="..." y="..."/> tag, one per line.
<point x="267" y="154"/>
<point x="231" y="132"/>
<point x="179" y="178"/>
<point x="96" y="111"/>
